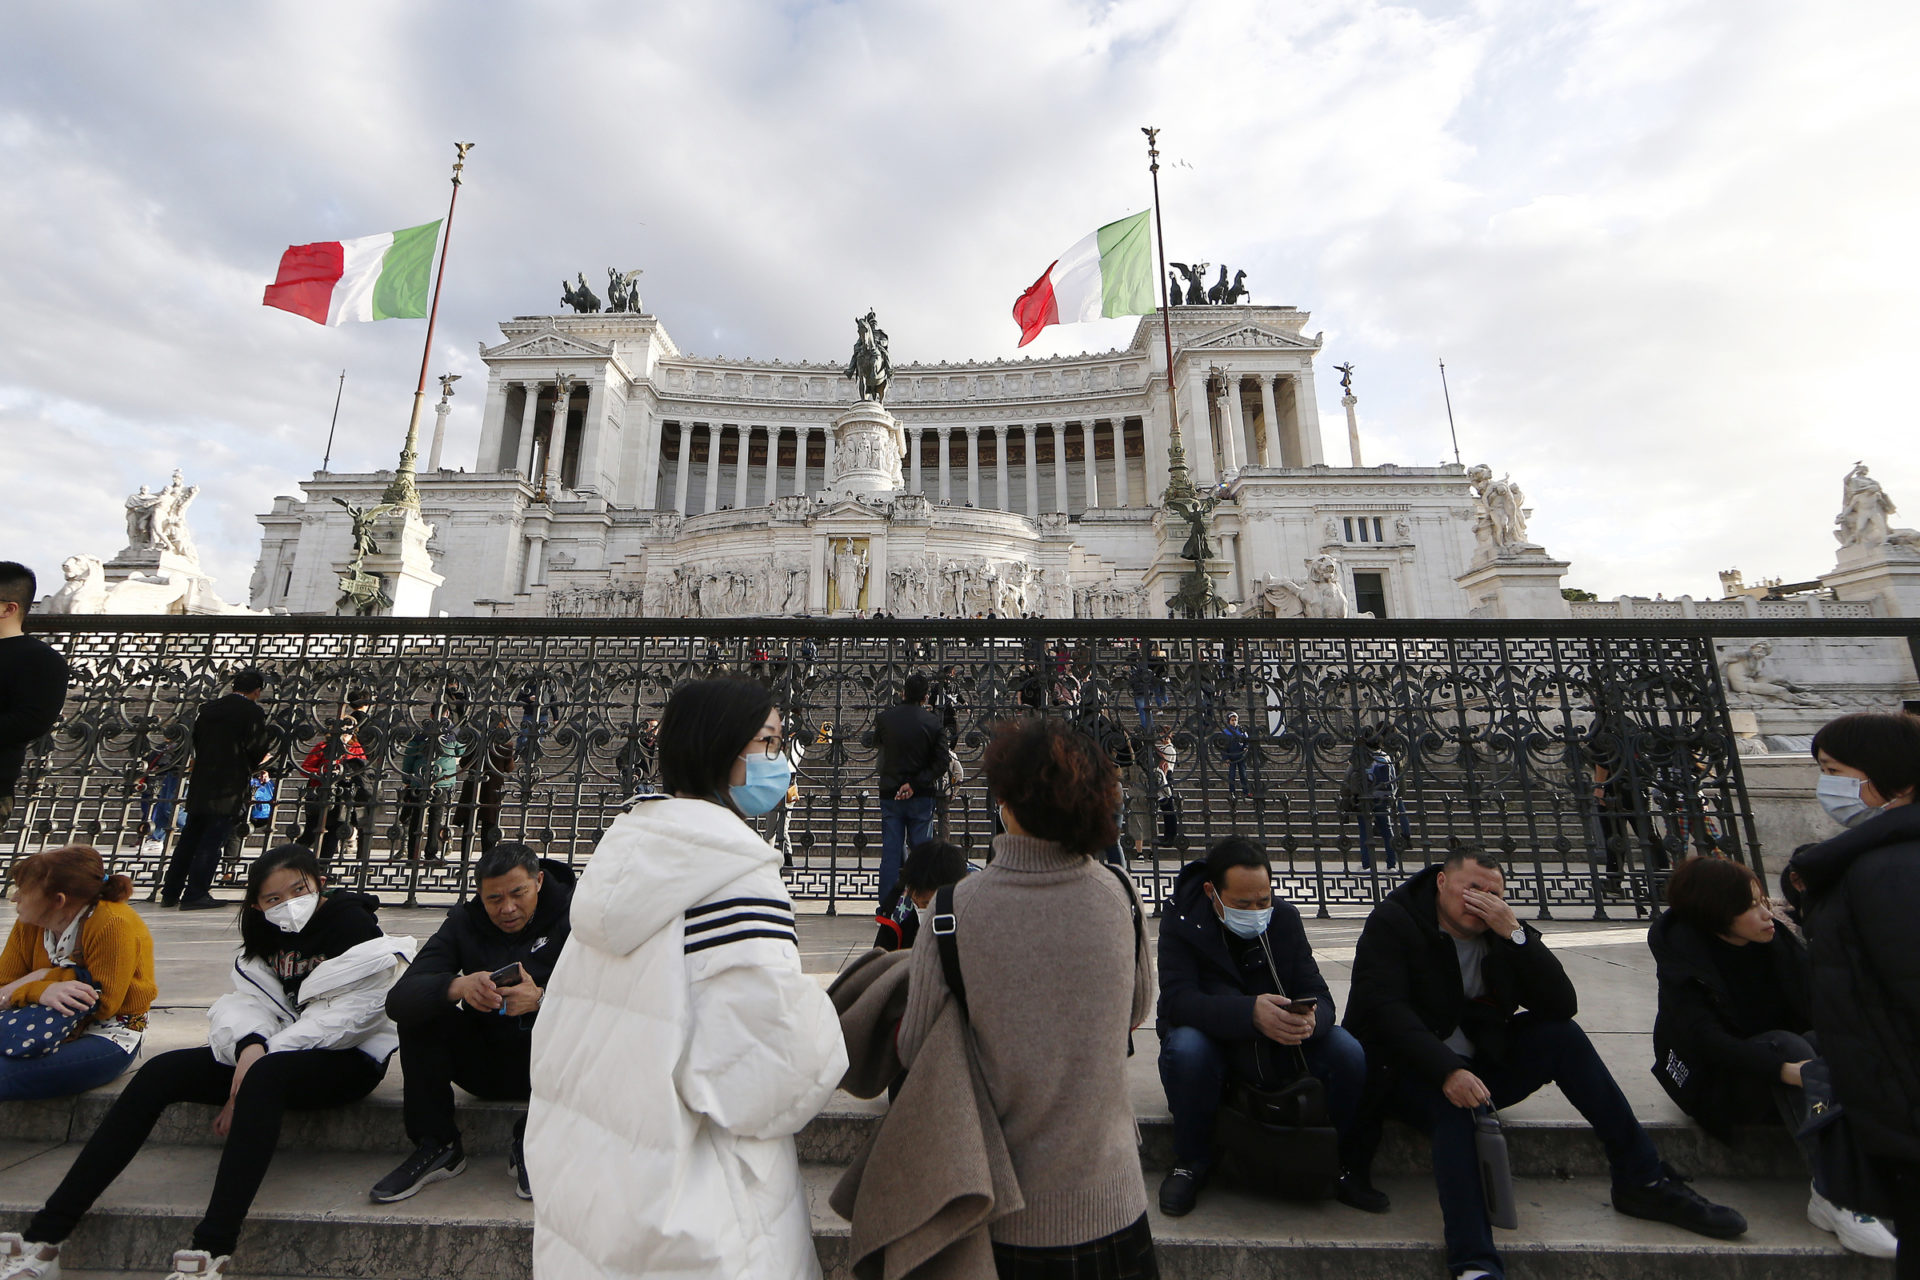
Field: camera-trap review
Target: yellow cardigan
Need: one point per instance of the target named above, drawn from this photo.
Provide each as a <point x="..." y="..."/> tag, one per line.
<point x="116" y="949"/>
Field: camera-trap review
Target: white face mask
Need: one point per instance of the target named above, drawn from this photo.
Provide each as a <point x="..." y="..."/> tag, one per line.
<point x="1840" y="797"/>
<point x="292" y="915"/>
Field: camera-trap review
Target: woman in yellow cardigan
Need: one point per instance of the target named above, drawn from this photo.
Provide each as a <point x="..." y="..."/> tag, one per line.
<point x="72" y="916"/>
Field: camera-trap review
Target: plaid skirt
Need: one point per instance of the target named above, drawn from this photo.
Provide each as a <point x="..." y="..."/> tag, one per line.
<point x="1127" y="1254"/>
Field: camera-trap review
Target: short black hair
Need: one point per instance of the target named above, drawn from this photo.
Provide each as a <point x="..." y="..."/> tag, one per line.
<point x="1709" y="893"/>
<point x="1460" y="852"/>
<point x="1235" y="851"/>
<point x="506" y="856"/>
<point x="249" y="679"/>
<point x="915" y="689"/>
<point x="18" y="584"/>
<point x="1881" y="744"/>
<point x="932" y="864"/>
<point x="706" y="725"/>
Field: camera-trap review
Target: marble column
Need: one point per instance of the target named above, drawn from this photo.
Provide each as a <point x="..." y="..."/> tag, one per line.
<point x="1033" y="470"/>
<point x="1000" y="468"/>
<point x="557" y="439"/>
<point x="826" y="478"/>
<point x="529" y="406"/>
<point x="973" y="466"/>
<point x="913" y="447"/>
<point x="800" y="433"/>
<point x="772" y="489"/>
<point x="743" y="436"/>
<point x="1306" y="412"/>
<point x="1270" y="420"/>
<point x="592" y="436"/>
<point x="1236" y="424"/>
<point x="713" y="467"/>
<point x="493" y="425"/>
<point x="946" y="466"/>
<point x="680" y="469"/>
<point x="1088" y="465"/>
<point x="1201" y="444"/>
<point x="1060" y="466"/>
<point x="1123" y="495"/>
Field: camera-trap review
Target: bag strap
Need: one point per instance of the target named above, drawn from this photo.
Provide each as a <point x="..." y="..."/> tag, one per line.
<point x="1299" y="1054"/>
<point x="943" y="934"/>
<point x="1139" y="926"/>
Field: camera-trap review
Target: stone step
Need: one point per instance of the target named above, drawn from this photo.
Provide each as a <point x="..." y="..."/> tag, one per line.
<point x="312" y="1219"/>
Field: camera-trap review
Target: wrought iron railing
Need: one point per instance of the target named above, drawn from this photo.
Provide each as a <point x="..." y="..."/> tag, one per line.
<point x="1498" y="734"/>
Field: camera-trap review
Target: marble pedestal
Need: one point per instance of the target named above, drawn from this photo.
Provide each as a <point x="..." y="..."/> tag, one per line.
<point x="868" y="448"/>
<point x="1519" y="582"/>
<point x="403" y="564"/>
<point x="1887" y="576"/>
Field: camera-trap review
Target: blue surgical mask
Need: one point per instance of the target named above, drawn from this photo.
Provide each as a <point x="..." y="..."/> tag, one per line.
<point x="1840" y="797"/>
<point x="1246" y="924"/>
<point x="766" y="784"/>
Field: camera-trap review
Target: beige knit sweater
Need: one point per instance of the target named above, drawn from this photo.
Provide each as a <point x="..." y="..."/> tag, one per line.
<point x="1054" y="982"/>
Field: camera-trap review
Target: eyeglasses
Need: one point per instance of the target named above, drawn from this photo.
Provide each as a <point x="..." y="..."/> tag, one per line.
<point x="769" y="747"/>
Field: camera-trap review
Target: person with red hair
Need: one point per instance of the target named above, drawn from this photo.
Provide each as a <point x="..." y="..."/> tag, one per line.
<point x="76" y="946"/>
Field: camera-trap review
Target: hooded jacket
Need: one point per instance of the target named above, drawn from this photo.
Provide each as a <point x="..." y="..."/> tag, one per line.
<point x="1407" y="996"/>
<point x="1203" y="986"/>
<point x="468" y="941"/>
<point x="679" y="1049"/>
<point x="1696" y="1047"/>
<point x="1862" y="902"/>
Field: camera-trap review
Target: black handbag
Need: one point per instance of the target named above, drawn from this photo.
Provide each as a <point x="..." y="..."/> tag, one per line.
<point x="34" y="1030"/>
<point x="1842" y="1171"/>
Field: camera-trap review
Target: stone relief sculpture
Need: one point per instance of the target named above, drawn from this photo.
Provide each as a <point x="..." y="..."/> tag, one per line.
<point x="1501" y="522"/>
<point x="849" y="567"/>
<point x="1320" y="596"/>
<point x="1746" y="676"/>
<point x="1864" y="508"/>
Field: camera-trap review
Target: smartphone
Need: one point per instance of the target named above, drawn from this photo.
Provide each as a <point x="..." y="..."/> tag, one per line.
<point x="507" y="977"/>
<point x="1302" y="1006"/>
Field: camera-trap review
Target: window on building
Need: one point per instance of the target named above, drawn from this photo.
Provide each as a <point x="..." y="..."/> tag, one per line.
<point x="1378" y="536"/>
<point x="1370" y="593"/>
<point x="1349" y="523"/>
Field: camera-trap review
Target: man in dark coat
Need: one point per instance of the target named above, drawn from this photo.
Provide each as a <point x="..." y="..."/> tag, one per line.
<point x="913" y="763"/>
<point x="1440" y="976"/>
<point x="230" y="743"/>
<point x="33" y="679"/>
<point x="1221" y="1015"/>
<point x="459" y="1026"/>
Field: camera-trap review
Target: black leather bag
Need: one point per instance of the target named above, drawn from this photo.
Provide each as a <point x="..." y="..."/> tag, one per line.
<point x="1841" y="1170"/>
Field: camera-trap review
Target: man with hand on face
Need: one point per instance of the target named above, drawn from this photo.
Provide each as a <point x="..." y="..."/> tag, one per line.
<point x="1221" y="945"/>
<point x="466" y="1007"/>
<point x="1441" y="975"/>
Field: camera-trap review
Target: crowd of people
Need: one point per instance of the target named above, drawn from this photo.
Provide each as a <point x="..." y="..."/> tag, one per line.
<point x="654" y="1017"/>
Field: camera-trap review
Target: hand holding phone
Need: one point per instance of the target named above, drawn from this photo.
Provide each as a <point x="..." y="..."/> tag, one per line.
<point x="1306" y="1005"/>
<point x="510" y="976"/>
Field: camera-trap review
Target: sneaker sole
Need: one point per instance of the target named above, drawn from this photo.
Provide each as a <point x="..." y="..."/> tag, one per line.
<point x="1711" y="1233"/>
<point x="438" y="1175"/>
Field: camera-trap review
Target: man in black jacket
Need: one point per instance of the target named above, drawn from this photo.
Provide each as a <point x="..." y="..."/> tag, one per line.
<point x="1220" y="1016"/>
<point x="230" y="742"/>
<point x="1441" y="973"/>
<point x="33" y="679"/>
<point x="459" y="1026"/>
<point x="913" y="760"/>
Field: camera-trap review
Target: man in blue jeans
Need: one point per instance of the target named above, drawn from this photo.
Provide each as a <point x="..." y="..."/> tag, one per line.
<point x="1222" y="942"/>
<point x="913" y="760"/>
<point x="1440" y="978"/>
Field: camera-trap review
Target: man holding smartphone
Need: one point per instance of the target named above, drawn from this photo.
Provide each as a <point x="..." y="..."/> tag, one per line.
<point x="466" y="1007"/>
<point x="1239" y="990"/>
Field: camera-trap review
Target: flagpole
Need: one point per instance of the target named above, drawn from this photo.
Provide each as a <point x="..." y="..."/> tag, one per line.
<point x="1179" y="484"/>
<point x="337" y="392"/>
<point x="403" y="492"/>
<point x="1450" y="431"/>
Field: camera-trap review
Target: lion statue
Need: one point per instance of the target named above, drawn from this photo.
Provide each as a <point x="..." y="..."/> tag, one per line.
<point x="85" y="590"/>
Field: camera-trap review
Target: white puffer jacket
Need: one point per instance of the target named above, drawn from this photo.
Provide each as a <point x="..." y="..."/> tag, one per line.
<point x="343" y="1004"/>
<point x="679" y="1048"/>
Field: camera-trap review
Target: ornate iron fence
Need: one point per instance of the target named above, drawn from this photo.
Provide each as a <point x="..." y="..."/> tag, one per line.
<point x="1591" y="755"/>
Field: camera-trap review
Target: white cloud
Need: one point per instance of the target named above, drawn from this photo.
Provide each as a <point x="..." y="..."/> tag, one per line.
<point x="1664" y="247"/>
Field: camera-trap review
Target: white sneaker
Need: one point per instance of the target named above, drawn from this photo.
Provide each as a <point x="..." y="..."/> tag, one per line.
<point x="20" y="1259"/>
<point x="1859" y="1232"/>
<point x="188" y="1263"/>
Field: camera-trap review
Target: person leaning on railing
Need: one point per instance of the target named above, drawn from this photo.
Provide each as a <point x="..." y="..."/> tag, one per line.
<point x="33" y="680"/>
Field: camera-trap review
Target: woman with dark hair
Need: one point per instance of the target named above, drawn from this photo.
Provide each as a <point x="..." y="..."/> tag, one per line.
<point x="1056" y="974"/>
<point x="1732" y="1029"/>
<point x="1861" y="903"/>
<point x="305" y="1028"/>
<point x="681" y="1046"/>
<point x="76" y="946"/>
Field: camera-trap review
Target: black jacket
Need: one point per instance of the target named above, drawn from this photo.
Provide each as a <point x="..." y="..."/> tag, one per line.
<point x="1863" y="906"/>
<point x="468" y="942"/>
<point x="1407" y="996"/>
<point x="230" y="738"/>
<point x="1697" y="1048"/>
<point x="913" y="749"/>
<point x="33" y="687"/>
<point x="1204" y="987"/>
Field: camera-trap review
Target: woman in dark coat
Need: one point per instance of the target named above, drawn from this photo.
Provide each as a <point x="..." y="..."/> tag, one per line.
<point x="1862" y="906"/>
<point x="1735" y="1019"/>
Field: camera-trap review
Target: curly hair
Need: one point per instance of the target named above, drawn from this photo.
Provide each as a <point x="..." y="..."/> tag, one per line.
<point x="1059" y="784"/>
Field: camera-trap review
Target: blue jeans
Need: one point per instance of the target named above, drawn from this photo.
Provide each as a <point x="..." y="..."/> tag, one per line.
<point x="75" y="1067"/>
<point x="1540" y="1050"/>
<point x="1237" y="776"/>
<point x="1380" y="817"/>
<point x="1140" y="701"/>
<point x="1194" y="1068"/>
<point x="903" y="824"/>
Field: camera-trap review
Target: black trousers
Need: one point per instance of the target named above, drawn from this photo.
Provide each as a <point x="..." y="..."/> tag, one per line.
<point x="196" y="856"/>
<point x="1903" y="1181"/>
<point x="305" y="1080"/>
<point x="457" y="1047"/>
<point x="1127" y="1254"/>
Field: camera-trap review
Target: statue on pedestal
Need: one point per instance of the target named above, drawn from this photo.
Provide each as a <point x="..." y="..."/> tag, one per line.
<point x="583" y="300"/>
<point x="849" y="569"/>
<point x="141" y="508"/>
<point x="1503" y="523"/>
<point x="623" y="293"/>
<point x="871" y="368"/>
<point x="1320" y="596"/>
<point x="1864" y="508"/>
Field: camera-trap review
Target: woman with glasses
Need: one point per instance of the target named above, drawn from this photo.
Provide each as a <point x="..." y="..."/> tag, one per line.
<point x="681" y="1046"/>
<point x="1735" y="1018"/>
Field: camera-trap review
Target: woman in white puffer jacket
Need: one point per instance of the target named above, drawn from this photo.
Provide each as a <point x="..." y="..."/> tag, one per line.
<point x="680" y="1045"/>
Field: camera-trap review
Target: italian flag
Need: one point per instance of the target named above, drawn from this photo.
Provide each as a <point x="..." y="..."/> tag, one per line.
<point x="1108" y="273"/>
<point x="381" y="277"/>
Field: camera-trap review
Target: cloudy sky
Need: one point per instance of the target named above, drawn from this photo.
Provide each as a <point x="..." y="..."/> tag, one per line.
<point x="1667" y="248"/>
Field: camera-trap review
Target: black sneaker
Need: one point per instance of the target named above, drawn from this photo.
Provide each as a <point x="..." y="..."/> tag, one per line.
<point x="1670" y="1199"/>
<point x="205" y="902"/>
<point x="517" y="1165"/>
<point x="1356" y="1191"/>
<point x="430" y="1162"/>
<point x="1179" y="1192"/>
